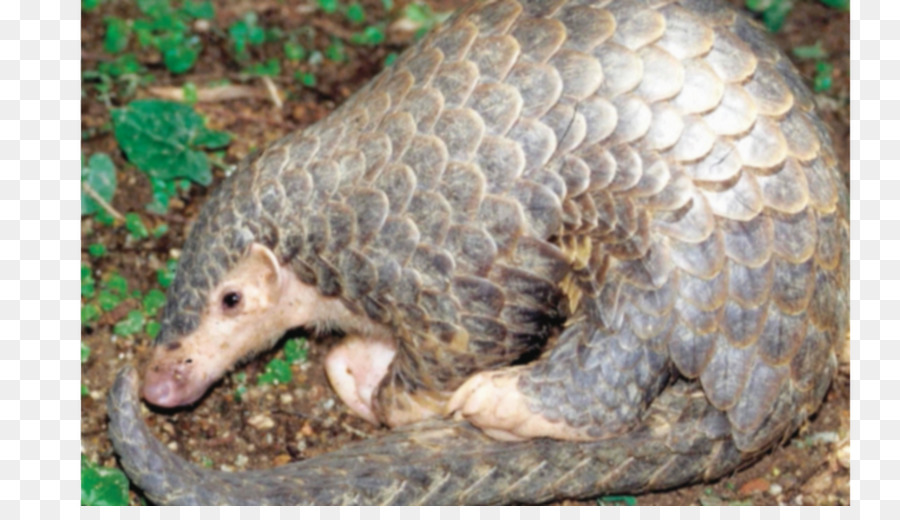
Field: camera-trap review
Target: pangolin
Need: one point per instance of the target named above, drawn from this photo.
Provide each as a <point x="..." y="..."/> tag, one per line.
<point x="573" y="247"/>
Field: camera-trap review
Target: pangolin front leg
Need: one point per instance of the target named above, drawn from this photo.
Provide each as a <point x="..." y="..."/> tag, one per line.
<point x="355" y="368"/>
<point x="592" y="385"/>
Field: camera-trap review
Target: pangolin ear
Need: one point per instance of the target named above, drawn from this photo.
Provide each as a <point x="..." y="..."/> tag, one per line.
<point x="264" y="259"/>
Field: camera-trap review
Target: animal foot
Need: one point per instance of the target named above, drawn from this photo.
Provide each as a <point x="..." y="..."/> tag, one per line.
<point x="493" y="402"/>
<point x="355" y="368"/>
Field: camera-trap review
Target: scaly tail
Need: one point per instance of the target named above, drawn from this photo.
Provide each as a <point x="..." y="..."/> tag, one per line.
<point x="681" y="439"/>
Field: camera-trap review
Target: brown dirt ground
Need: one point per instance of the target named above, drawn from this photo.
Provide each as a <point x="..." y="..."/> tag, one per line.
<point x="303" y="419"/>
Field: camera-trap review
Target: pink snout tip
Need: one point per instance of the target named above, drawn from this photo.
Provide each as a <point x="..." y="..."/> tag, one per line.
<point x="160" y="392"/>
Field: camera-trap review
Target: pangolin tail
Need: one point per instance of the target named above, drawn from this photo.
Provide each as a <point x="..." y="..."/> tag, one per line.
<point x="681" y="439"/>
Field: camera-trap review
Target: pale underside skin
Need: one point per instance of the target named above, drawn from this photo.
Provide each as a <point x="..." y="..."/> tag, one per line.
<point x="355" y="368"/>
<point x="272" y="301"/>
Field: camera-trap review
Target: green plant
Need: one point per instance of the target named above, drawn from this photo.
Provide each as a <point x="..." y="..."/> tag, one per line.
<point x="166" y="275"/>
<point x="423" y="18"/>
<point x="135" y="226"/>
<point x="102" y="486"/>
<point x="97" y="250"/>
<point x="245" y="33"/>
<point x="355" y="13"/>
<point x="98" y="185"/>
<point x="89" y="5"/>
<point x="843" y="5"/>
<point x="167" y="29"/>
<point x="167" y="141"/>
<point x="774" y="12"/>
<point x="295" y="350"/>
<point x="824" y="77"/>
<point x="118" y="33"/>
<point x="329" y="6"/>
<point x="279" y="370"/>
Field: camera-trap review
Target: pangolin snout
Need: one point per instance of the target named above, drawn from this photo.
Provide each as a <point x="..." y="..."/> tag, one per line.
<point x="169" y="384"/>
<point x="160" y="392"/>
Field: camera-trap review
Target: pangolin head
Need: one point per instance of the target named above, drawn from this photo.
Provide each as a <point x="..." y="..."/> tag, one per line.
<point x="223" y="231"/>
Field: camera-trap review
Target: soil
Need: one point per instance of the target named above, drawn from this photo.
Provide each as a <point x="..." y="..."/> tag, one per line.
<point x="273" y="425"/>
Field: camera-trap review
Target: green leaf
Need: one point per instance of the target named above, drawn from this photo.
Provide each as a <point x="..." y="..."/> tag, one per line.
<point x="88" y="285"/>
<point x="160" y="230"/>
<point x="154" y="300"/>
<point x="295" y="350"/>
<point x="387" y="4"/>
<point x="270" y="68"/>
<point x="277" y="371"/>
<point x="758" y="5"/>
<point x="152" y="329"/>
<point x="154" y="8"/>
<point x="418" y="13"/>
<point x="84" y="390"/>
<point x="122" y="66"/>
<point x="356" y="13"/>
<point x="423" y="17"/>
<point x="89" y="313"/>
<point x="307" y="79"/>
<point x="294" y="51"/>
<point x="165" y="275"/>
<point x="89" y="5"/>
<point x="203" y="10"/>
<point x="371" y="35"/>
<point x="97" y="250"/>
<point x="85" y="352"/>
<point x="100" y="175"/>
<point x="390" y="58"/>
<point x="102" y="486"/>
<point x="118" y="32"/>
<point x="108" y="300"/>
<point x="824" y="76"/>
<point x="843" y="5"/>
<point x="135" y="226"/>
<point x="329" y="6"/>
<point x="775" y="16"/>
<point x="626" y="500"/>
<point x="181" y="58"/>
<point x="335" y="51"/>
<point x="163" y="138"/>
<point x="189" y="90"/>
<point x="162" y="189"/>
<point x="246" y="32"/>
<point x="117" y="284"/>
<point x="806" y="52"/>
<point x="130" y="325"/>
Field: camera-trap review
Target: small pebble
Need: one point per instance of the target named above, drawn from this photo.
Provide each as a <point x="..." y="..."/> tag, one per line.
<point x="286" y="398"/>
<point x="173" y="446"/>
<point x="281" y="460"/>
<point x="757" y="485"/>
<point x="820" y="483"/>
<point x="843" y="455"/>
<point x="241" y="460"/>
<point x="775" y="490"/>
<point x="261" y="422"/>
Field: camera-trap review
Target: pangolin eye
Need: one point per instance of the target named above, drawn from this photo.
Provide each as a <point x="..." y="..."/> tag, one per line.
<point x="231" y="300"/>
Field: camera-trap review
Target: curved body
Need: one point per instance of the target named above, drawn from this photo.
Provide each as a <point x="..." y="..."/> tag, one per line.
<point x="632" y="202"/>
